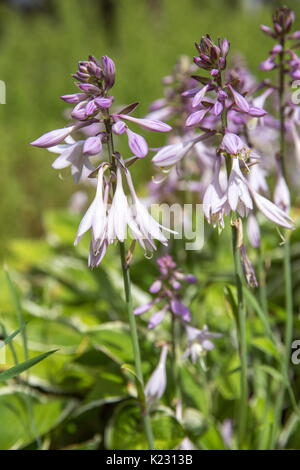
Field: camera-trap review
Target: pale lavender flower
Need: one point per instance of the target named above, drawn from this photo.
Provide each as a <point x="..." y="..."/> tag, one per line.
<point x="186" y="444"/>
<point x="253" y="231"/>
<point x="199" y="342"/>
<point x="227" y="432"/>
<point x="156" y="385"/>
<point x="145" y="228"/>
<point x="171" y="154"/>
<point x="95" y="217"/>
<point x="52" y="138"/>
<point x="148" y="124"/>
<point x="214" y="198"/>
<point x="71" y="153"/>
<point x="282" y="197"/>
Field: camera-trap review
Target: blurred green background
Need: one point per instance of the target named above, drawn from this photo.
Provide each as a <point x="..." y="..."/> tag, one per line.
<point x="41" y="43"/>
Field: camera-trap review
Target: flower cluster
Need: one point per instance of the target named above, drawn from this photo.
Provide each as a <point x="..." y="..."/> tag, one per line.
<point x="167" y="292"/>
<point x="111" y="215"/>
<point x="284" y="59"/>
<point x="214" y="114"/>
<point x="283" y="20"/>
<point x="91" y="113"/>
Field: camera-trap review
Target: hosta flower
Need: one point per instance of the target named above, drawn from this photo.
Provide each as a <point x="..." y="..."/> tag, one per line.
<point x="156" y="385"/>
<point x="52" y="138"/>
<point x="282" y="196"/>
<point x="136" y="142"/>
<point x="71" y="153"/>
<point x="199" y="342"/>
<point x="253" y="231"/>
<point x="119" y="218"/>
<point x="166" y="290"/>
<point x="144" y="227"/>
<point x="95" y="217"/>
<point x="171" y="154"/>
<point x="238" y="195"/>
<point x="214" y="198"/>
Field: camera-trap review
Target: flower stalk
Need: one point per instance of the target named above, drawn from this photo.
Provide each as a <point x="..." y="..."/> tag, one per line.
<point x="131" y="316"/>
<point x="135" y="345"/>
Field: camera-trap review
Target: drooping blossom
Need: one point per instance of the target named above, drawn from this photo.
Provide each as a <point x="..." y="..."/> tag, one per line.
<point x="156" y="385"/>
<point x="117" y="219"/>
<point x="239" y="196"/>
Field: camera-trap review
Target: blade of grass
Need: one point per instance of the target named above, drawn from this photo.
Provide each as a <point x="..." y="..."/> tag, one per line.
<point x="23" y="366"/>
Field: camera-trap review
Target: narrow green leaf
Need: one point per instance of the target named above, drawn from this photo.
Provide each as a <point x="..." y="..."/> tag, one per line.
<point x="16" y="300"/>
<point x="18" y="369"/>
<point x="255" y="305"/>
<point x="9" y="338"/>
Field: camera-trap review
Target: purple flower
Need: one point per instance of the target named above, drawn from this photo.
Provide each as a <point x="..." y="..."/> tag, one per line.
<point x="52" y="138"/>
<point x="232" y="144"/>
<point x="199" y="342"/>
<point x="92" y="145"/>
<point x="178" y="308"/>
<point x="137" y="144"/>
<point x="109" y="71"/>
<point x="253" y="231"/>
<point x="171" y="154"/>
<point x="196" y="117"/>
<point x="268" y="64"/>
<point x="167" y="292"/>
<point x="241" y="102"/>
<point x="199" y="96"/>
<point x="148" y="124"/>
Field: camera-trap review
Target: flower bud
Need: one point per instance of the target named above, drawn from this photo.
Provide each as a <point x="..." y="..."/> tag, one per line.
<point x="109" y="71"/>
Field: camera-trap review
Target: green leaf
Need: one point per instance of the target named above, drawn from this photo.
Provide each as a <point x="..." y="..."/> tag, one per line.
<point x="255" y="305"/>
<point x="265" y="345"/>
<point x="272" y="372"/>
<point x="126" y="429"/>
<point x="9" y="338"/>
<point x="18" y="369"/>
<point x="113" y="339"/>
<point x="231" y="300"/>
<point x="18" y="427"/>
<point x="17" y="303"/>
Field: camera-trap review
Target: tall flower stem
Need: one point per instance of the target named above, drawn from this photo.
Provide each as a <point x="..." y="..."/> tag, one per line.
<point x="287" y="257"/>
<point x="241" y="326"/>
<point x="242" y="338"/>
<point x="263" y="296"/>
<point x="131" y="316"/>
<point x="175" y="358"/>
<point x="135" y="345"/>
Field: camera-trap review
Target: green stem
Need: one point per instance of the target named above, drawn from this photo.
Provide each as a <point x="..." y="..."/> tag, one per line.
<point x="263" y="296"/>
<point x="242" y="340"/>
<point x="131" y="317"/>
<point x="241" y="327"/>
<point x="287" y="263"/>
<point x="289" y="303"/>
<point x="135" y="345"/>
<point x="175" y="358"/>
